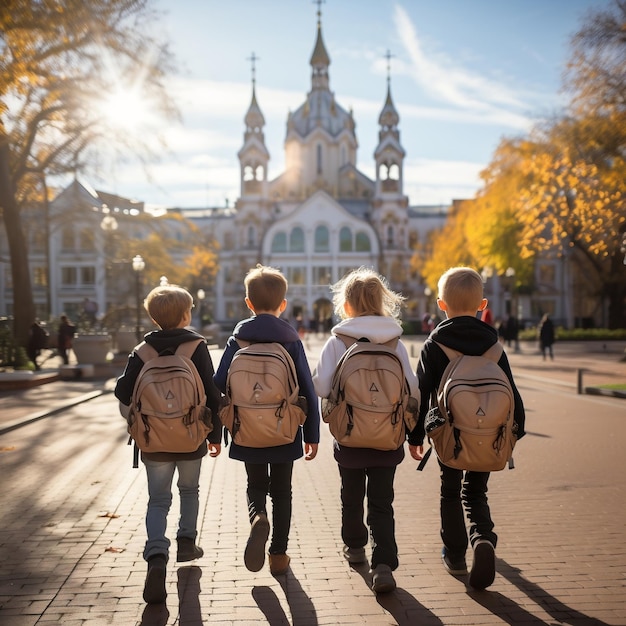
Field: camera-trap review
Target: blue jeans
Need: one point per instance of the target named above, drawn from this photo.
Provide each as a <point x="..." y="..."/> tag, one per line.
<point x="461" y="489"/>
<point x="377" y="484"/>
<point x="160" y="475"/>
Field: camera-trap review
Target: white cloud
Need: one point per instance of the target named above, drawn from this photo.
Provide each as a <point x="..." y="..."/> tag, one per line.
<point x="479" y="97"/>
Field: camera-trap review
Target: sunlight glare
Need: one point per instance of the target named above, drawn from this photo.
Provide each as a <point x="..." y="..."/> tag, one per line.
<point x="125" y="110"/>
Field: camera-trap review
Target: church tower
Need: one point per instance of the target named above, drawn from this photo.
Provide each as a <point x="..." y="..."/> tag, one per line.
<point x="254" y="157"/>
<point x="390" y="206"/>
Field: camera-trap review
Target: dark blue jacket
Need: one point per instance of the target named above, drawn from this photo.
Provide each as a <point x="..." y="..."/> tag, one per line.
<point x="268" y="328"/>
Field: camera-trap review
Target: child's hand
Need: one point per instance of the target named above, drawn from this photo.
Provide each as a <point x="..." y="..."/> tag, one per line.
<point x="310" y="450"/>
<point x="214" y="449"/>
<point x="417" y="452"/>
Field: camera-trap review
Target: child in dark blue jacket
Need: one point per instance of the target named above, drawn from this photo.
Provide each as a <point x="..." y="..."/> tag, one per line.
<point x="269" y="470"/>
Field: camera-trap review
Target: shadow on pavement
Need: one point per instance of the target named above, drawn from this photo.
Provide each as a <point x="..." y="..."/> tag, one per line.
<point x="268" y="602"/>
<point x="155" y="615"/>
<point x="189" y="609"/>
<point x="511" y="612"/>
<point x="302" y="608"/>
<point x="404" y="608"/>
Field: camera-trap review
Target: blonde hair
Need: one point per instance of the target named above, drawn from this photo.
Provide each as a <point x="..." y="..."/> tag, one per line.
<point x="461" y="288"/>
<point x="266" y="287"/>
<point x="367" y="293"/>
<point x="167" y="304"/>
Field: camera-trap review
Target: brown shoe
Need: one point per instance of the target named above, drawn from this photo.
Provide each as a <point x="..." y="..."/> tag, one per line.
<point x="279" y="564"/>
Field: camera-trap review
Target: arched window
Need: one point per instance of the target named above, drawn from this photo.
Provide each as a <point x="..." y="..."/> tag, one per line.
<point x="259" y="172"/>
<point x="394" y="171"/>
<point x="296" y="240"/>
<point x="363" y="243"/>
<point x="383" y="172"/>
<point x="248" y="173"/>
<point x="345" y="240"/>
<point x="322" y="239"/>
<point x="279" y="242"/>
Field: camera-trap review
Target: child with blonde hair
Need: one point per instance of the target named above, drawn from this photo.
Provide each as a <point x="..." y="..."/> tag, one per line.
<point x="369" y="310"/>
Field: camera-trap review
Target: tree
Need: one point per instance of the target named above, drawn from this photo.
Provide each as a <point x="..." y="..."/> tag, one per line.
<point x="56" y="63"/>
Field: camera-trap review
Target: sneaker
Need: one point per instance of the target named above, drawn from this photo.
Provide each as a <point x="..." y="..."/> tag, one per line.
<point x="354" y="555"/>
<point x="456" y="567"/>
<point x="154" y="589"/>
<point x="382" y="579"/>
<point x="483" y="570"/>
<point x="187" y="550"/>
<point x="254" y="554"/>
<point x="279" y="564"/>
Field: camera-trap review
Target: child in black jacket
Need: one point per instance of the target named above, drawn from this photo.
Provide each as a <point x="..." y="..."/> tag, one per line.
<point x="170" y="307"/>
<point x="460" y="298"/>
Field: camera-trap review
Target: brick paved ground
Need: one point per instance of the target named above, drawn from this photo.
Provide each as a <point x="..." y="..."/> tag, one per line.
<point x="72" y="507"/>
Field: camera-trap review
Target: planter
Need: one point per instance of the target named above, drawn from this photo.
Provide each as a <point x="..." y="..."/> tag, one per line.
<point x="125" y="341"/>
<point x="92" y="348"/>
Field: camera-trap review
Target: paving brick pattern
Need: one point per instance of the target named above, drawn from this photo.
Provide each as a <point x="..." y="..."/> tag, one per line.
<point x="72" y="530"/>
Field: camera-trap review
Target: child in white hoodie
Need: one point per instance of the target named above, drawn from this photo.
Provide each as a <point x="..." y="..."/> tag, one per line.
<point x="370" y="310"/>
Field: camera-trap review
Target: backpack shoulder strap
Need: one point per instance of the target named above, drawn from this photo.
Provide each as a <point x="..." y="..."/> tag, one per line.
<point x="495" y="352"/>
<point x="449" y="352"/>
<point x="188" y="348"/>
<point x="146" y="352"/>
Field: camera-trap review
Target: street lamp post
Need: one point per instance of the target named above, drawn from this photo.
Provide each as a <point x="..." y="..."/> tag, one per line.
<point x="138" y="266"/>
<point x="201" y="296"/>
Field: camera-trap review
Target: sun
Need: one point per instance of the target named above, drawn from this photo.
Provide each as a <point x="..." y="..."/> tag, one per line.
<point x="124" y="109"/>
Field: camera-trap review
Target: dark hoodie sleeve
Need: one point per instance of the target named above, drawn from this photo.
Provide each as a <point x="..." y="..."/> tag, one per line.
<point x="126" y="382"/>
<point x="520" y="413"/>
<point x="222" y="369"/>
<point x="203" y="362"/>
<point x="305" y="381"/>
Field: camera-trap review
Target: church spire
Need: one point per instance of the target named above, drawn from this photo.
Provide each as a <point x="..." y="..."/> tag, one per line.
<point x="389" y="117"/>
<point x="319" y="59"/>
<point x="254" y="119"/>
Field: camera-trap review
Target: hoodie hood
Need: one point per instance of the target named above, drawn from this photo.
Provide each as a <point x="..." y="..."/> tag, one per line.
<point x="375" y="328"/>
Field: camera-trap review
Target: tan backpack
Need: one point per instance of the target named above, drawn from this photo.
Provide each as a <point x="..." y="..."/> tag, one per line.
<point x="168" y="411"/>
<point x="370" y="403"/>
<point x="263" y="407"/>
<point x="472" y="426"/>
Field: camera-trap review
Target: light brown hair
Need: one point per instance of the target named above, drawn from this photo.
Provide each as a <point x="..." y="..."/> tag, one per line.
<point x="167" y="304"/>
<point x="266" y="287"/>
<point x="367" y="293"/>
<point x="461" y="288"/>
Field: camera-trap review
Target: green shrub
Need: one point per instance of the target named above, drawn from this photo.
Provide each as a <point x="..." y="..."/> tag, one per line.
<point x="577" y="334"/>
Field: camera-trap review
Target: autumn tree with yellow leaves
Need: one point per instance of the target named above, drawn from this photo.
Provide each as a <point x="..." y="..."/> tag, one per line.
<point x="58" y="60"/>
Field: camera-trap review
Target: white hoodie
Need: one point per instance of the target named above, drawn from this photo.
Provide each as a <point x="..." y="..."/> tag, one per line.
<point x="375" y="328"/>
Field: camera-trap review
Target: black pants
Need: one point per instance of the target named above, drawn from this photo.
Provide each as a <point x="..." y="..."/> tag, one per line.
<point x="377" y="484"/>
<point x="464" y="490"/>
<point x="273" y="479"/>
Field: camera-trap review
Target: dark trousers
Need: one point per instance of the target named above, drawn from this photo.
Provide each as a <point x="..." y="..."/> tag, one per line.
<point x="467" y="490"/>
<point x="273" y="479"/>
<point x="377" y="484"/>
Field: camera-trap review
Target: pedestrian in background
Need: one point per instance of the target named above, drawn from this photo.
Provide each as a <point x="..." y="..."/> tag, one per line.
<point x="65" y="337"/>
<point x="546" y="336"/>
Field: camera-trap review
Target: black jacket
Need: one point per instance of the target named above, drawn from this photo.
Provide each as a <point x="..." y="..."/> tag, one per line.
<point x="162" y="340"/>
<point x="470" y="336"/>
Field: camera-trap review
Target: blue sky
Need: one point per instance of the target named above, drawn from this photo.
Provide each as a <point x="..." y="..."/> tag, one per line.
<point x="464" y="74"/>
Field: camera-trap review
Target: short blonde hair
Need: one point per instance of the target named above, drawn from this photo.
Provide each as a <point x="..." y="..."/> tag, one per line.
<point x="461" y="288"/>
<point x="266" y="287"/>
<point x="167" y="304"/>
<point x="367" y="293"/>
